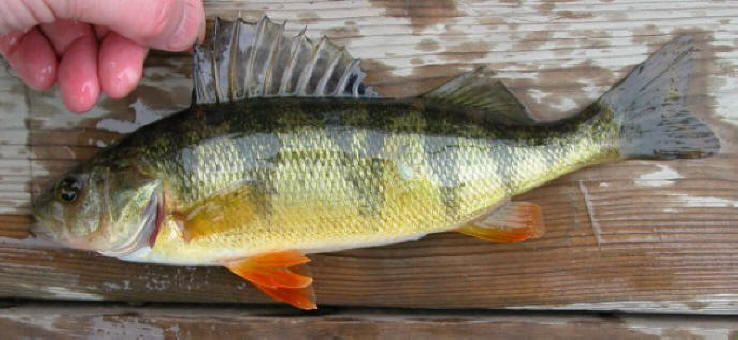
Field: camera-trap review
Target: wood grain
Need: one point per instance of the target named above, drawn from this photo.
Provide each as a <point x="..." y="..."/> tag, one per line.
<point x="639" y="257"/>
<point x="636" y="235"/>
<point x="73" y="322"/>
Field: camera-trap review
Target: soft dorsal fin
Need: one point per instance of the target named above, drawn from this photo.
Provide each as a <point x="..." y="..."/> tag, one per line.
<point x="240" y="60"/>
<point x="481" y="92"/>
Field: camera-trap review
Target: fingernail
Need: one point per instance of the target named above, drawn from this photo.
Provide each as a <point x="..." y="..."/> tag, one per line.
<point x="201" y="18"/>
<point x="192" y="11"/>
<point x="78" y="80"/>
<point x="201" y="32"/>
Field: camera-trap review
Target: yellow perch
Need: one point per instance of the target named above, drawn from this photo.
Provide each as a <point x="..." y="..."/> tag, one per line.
<point x="286" y="152"/>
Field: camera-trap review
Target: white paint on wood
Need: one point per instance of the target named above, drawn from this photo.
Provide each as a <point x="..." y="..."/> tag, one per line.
<point x="665" y="176"/>
<point x="76" y="321"/>
<point x="132" y="329"/>
<point x="14" y="151"/>
<point x="707" y="304"/>
<point x="596" y="229"/>
<point x="64" y="293"/>
<point x="693" y="201"/>
<point x="143" y="115"/>
<point x="662" y="328"/>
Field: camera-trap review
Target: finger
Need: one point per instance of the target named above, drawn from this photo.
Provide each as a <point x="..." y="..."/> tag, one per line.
<point x="101" y="31"/>
<point x="78" y="74"/>
<point x="172" y="25"/>
<point x="32" y="57"/>
<point x="21" y="15"/>
<point x="63" y="33"/>
<point x="121" y="63"/>
<point x="76" y="44"/>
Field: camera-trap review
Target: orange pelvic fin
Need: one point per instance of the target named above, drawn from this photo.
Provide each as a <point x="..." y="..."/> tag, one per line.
<point x="512" y="222"/>
<point x="270" y="273"/>
<point x="303" y="298"/>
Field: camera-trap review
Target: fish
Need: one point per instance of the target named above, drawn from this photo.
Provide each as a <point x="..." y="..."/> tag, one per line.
<point x="286" y="151"/>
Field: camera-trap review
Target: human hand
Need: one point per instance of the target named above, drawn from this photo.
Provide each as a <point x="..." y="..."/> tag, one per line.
<point x="93" y="45"/>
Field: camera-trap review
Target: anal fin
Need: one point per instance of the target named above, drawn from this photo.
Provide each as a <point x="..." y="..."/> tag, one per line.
<point x="511" y="222"/>
<point x="271" y="274"/>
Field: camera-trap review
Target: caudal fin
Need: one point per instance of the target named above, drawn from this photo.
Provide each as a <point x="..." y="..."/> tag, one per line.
<point x="649" y="105"/>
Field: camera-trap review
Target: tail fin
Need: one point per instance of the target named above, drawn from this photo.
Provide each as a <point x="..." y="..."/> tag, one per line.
<point x="649" y="106"/>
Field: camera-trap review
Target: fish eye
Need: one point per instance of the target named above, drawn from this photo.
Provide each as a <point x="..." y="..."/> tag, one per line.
<point x="69" y="189"/>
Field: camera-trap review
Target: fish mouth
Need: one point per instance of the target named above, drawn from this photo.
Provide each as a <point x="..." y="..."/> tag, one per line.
<point x="149" y="225"/>
<point x="40" y="218"/>
<point x="34" y="229"/>
<point x="40" y="226"/>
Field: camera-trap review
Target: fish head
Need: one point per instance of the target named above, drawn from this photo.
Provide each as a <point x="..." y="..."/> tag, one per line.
<point x="110" y="210"/>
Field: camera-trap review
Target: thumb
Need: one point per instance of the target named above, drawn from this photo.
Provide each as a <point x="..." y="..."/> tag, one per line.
<point x="171" y="25"/>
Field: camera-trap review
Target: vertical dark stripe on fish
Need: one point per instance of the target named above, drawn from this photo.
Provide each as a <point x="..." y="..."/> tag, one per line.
<point x="261" y="195"/>
<point x="442" y="156"/>
<point x="256" y="156"/>
<point x="451" y="201"/>
<point x="366" y="177"/>
<point x="360" y="165"/>
<point x="506" y="173"/>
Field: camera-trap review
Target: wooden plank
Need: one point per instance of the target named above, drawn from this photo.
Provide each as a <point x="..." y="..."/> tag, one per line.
<point x="15" y="226"/>
<point x="73" y="322"/>
<point x="14" y="150"/>
<point x="601" y="252"/>
<point x="636" y="236"/>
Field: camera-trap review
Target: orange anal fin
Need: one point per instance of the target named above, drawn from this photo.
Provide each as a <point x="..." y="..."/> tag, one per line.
<point x="512" y="222"/>
<point x="270" y="273"/>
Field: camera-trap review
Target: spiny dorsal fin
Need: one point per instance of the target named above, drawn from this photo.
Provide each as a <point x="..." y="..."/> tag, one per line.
<point x="241" y="60"/>
<point x="479" y="91"/>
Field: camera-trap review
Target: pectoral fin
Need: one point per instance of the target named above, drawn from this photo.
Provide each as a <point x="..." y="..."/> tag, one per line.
<point x="512" y="222"/>
<point x="270" y="273"/>
<point x="220" y="213"/>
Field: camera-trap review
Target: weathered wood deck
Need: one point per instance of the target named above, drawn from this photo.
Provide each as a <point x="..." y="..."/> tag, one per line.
<point x="61" y="321"/>
<point x="637" y="236"/>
